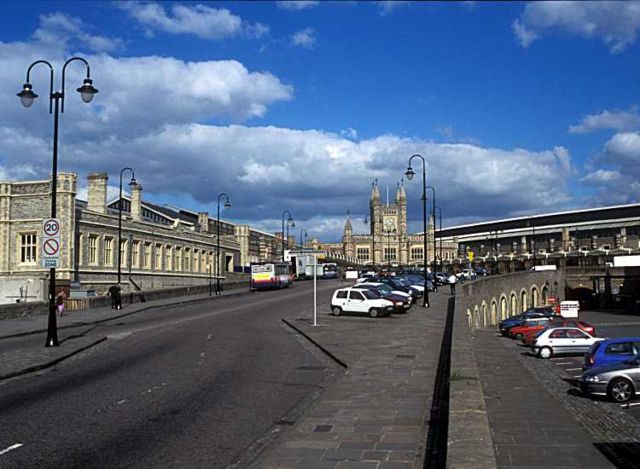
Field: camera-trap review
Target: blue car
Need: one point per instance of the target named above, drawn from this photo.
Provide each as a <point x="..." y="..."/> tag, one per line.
<point x="517" y="320"/>
<point x="611" y="352"/>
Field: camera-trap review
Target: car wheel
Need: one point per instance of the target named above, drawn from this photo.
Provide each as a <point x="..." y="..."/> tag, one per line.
<point x="545" y="352"/>
<point x="374" y="313"/>
<point x="518" y="336"/>
<point x="620" y="390"/>
<point x="336" y="310"/>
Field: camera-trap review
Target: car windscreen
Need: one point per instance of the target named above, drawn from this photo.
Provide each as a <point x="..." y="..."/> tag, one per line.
<point x="370" y="294"/>
<point x="385" y="289"/>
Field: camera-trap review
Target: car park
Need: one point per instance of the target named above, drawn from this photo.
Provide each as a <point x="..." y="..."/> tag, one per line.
<point x="386" y="289"/>
<point x="354" y="300"/>
<point x="620" y="381"/>
<point x="558" y="321"/>
<point x="398" y="285"/>
<point x="562" y="340"/>
<point x="612" y="351"/>
<point x="516" y="320"/>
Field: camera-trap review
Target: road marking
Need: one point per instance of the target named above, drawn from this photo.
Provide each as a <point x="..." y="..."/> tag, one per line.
<point x="121" y="402"/>
<point x="563" y="363"/>
<point x="10" y="448"/>
<point x="573" y="369"/>
<point x="621" y="405"/>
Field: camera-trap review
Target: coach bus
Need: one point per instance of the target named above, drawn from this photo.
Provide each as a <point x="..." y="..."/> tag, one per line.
<point x="270" y="275"/>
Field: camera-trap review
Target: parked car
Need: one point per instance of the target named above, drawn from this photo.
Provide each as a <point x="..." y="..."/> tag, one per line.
<point x="441" y="278"/>
<point x="386" y="289"/>
<point x="516" y="320"/>
<point x="555" y="321"/>
<point x="398" y="285"/>
<point x="466" y="274"/>
<point x="562" y="340"/>
<point x="481" y="272"/>
<point x="416" y="281"/>
<point x="611" y="351"/>
<point x="529" y="325"/>
<point x="620" y="381"/>
<point x="354" y="300"/>
<point x="401" y="303"/>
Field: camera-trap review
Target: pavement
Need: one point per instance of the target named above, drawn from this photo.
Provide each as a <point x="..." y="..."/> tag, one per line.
<point x="18" y="357"/>
<point x="376" y="414"/>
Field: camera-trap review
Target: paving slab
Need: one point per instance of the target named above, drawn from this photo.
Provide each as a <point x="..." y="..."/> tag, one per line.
<point x="377" y="412"/>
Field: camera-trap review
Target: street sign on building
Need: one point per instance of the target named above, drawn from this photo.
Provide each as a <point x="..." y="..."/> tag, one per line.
<point x="51" y="244"/>
<point x="470" y="256"/>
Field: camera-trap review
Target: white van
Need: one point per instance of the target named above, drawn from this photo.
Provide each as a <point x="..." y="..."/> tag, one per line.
<point x="353" y="300"/>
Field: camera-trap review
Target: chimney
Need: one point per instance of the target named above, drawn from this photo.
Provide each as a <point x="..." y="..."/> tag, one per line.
<point x="203" y="221"/>
<point x="97" y="192"/>
<point x="136" y="202"/>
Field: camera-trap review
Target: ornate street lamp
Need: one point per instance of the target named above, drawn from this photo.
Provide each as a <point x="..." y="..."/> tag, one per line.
<point x="410" y="173"/>
<point x="131" y="183"/>
<point x="56" y="100"/>
<point x="227" y="204"/>
<point x="305" y="236"/>
<point x="291" y="223"/>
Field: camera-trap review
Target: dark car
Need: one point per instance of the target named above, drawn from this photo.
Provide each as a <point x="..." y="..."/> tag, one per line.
<point x="517" y="320"/>
<point x="398" y="285"/>
<point x="611" y="352"/>
<point x="416" y="280"/>
<point x="401" y="304"/>
<point x="620" y="382"/>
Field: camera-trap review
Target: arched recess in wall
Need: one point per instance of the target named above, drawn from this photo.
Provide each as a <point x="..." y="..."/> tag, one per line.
<point x="514" y="304"/>
<point x="469" y="318"/>
<point x="545" y="295"/>
<point x="523" y="300"/>
<point x="494" y="311"/>
<point x="476" y="317"/>
<point x="504" y="307"/>
<point x="485" y="317"/>
<point x="534" y="296"/>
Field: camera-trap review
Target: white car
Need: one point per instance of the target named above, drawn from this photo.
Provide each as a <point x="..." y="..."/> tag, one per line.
<point x="466" y="274"/>
<point x="353" y="300"/>
<point x="386" y="288"/>
<point x="559" y="340"/>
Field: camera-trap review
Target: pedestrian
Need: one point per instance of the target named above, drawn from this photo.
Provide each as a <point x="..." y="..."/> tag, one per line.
<point x="116" y="300"/>
<point x="452" y="283"/>
<point x="60" y="297"/>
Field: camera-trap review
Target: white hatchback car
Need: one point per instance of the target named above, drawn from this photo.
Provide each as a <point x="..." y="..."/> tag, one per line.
<point x="353" y="300"/>
<point x="559" y="340"/>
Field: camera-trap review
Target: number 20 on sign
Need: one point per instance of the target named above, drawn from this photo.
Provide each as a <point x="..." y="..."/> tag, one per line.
<point x="50" y="250"/>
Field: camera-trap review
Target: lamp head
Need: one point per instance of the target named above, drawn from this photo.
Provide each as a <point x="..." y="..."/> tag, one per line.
<point x="133" y="181"/>
<point x="410" y="173"/>
<point x="227" y="204"/>
<point x="27" y="96"/>
<point x="87" y="90"/>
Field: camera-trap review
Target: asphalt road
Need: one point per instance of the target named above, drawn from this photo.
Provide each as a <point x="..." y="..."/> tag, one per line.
<point x="187" y="386"/>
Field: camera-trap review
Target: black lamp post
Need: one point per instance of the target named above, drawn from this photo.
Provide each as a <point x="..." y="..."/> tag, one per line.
<point x="305" y="236"/>
<point x="131" y="183"/>
<point x="410" y="173"/>
<point x="289" y="222"/>
<point x="227" y="204"/>
<point x="27" y="96"/>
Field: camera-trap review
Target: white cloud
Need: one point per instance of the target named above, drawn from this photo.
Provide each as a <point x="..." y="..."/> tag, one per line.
<point x="601" y="176"/>
<point x="305" y="38"/>
<point x="617" y="120"/>
<point x="350" y="133"/>
<point x="615" y="23"/>
<point x="56" y="27"/>
<point x="297" y="4"/>
<point x="200" y="20"/>
<point x="385" y="7"/>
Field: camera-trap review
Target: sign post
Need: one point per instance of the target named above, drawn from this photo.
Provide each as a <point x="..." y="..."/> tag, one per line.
<point x="316" y="255"/>
<point x="51" y="245"/>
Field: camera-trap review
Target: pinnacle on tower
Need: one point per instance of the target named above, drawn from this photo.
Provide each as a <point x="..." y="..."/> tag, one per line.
<point x="375" y="193"/>
<point x="402" y="195"/>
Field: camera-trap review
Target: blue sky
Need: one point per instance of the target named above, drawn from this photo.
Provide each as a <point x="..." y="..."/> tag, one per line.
<point x="520" y="108"/>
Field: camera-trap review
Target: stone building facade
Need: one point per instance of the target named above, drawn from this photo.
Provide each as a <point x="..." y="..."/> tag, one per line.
<point x="388" y="241"/>
<point x="160" y="246"/>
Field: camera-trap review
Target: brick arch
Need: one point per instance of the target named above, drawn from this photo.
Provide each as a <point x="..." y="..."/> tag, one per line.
<point x="544" y="295"/>
<point x="494" y="311"/>
<point x="535" y="299"/>
<point x="485" y="316"/>
<point x="476" y="317"/>
<point x="524" y="300"/>
<point x="504" y="307"/>
<point x="513" y="306"/>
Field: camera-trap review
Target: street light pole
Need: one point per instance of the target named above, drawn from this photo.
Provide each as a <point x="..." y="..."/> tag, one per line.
<point x="305" y="236"/>
<point x="131" y="183"/>
<point x="227" y="204"/>
<point x="27" y="97"/>
<point x="410" y="173"/>
<point x="289" y="222"/>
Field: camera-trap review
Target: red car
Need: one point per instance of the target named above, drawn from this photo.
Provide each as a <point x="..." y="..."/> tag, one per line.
<point x="533" y="325"/>
<point x="529" y="337"/>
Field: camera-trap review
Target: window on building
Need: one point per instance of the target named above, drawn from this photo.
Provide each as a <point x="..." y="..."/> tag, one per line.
<point x="389" y="254"/>
<point x="178" y="259"/>
<point x="108" y="251"/>
<point x="158" y="265"/>
<point x="417" y="254"/>
<point x="146" y="256"/>
<point x="168" y="263"/>
<point x="93" y="249"/>
<point x="363" y="254"/>
<point x="123" y="253"/>
<point x="196" y="260"/>
<point x="135" y="254"/>
<point x="28" y="248"/>
<point x="187" y="259"/>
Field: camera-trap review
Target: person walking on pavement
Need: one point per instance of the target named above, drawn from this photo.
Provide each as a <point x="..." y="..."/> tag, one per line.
<point x="452" y="283"/>
<point x="116" y="299"/>
<point x="60" y="297"/>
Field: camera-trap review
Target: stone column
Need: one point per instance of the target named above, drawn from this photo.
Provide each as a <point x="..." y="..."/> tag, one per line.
<point x="97" y="192"/>
<point x="136" y="202"/>
<point x="203" y="221"/>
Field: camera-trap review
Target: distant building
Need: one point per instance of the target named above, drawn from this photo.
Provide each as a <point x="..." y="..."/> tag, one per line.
<point x="161" y="246"/>
<point x="388" y="241"/>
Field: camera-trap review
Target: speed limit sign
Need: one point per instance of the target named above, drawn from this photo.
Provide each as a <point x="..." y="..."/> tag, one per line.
<point x="51" y="245"/>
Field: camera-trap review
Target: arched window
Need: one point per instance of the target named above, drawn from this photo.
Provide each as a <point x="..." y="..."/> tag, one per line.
<point x="523" y="300"/>
<point x="514" y="304"/>
<point x="494" y="312"/>
<point x="504" y="308"/>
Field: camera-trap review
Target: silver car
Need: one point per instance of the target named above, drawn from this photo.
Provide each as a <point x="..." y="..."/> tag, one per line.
<point x="620" y="382"/>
